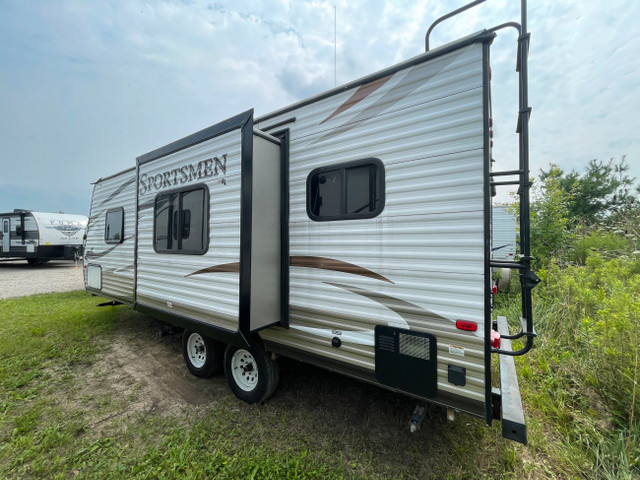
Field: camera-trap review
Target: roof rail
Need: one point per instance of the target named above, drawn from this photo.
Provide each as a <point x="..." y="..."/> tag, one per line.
<point x="448" y="15"/>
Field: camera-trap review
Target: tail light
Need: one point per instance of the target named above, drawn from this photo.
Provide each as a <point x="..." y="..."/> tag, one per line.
<point x="495" y="339"/>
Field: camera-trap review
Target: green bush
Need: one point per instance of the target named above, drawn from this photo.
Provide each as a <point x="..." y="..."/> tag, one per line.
<point x="608" y="245"/>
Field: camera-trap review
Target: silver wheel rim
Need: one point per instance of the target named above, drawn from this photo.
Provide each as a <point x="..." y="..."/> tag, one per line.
<point x="244" y="370"/>
<point x="197" y="350"/>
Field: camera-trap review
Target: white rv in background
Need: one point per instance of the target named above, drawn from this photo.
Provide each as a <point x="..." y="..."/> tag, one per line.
<point x="39" y="237"/>
<point x="351" y="230"/>
<point x="505" y="229"/>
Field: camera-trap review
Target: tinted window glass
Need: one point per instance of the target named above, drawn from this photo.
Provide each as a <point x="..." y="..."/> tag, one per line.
<point x="181" y="222"/>
<point x="193" y="220"/>
<point x="347" y="191"/>
<point x="114" y="226"/>
<point x="164" y="215"/>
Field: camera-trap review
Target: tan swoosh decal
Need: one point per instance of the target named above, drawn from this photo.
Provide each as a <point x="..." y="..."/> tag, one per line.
<point x="417" y="76"/>
<point x="363" y="92"/>
<point x="224" y="268"/>
<point x="410" y="312"/>
<point x="303" y="261"/>
<point x="334" y="265"/>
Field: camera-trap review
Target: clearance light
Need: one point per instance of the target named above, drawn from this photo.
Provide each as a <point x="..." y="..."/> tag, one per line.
<point x="495" y="339"/>
<point x="466" y="325"/>
<point x="494" y="289"/>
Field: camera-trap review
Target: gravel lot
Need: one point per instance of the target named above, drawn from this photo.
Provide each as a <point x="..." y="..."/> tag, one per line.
<point x="19" y="279"/>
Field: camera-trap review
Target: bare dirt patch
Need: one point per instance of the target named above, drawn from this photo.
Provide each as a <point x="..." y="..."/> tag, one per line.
<point x="19" y="279"/>
<point x="140" y="373"/>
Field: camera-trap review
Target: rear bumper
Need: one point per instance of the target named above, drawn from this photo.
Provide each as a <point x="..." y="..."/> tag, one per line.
<point x="510" y="412"/>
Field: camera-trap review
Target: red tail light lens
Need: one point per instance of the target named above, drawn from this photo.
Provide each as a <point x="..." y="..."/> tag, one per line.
<point x="466" y="325"/>
<point x="495" y="339"/>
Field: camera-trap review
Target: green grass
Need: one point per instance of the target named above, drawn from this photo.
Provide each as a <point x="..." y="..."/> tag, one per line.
<point x="319" y="425"/>
<point x="62" y="415"/>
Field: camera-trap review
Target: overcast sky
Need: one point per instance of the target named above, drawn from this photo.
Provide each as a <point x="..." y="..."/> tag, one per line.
<point x="87" y="86"/>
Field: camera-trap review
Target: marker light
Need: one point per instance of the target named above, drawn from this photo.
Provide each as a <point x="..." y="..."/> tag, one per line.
<point x="495" y="339"/>
<point x="466" y="325"/>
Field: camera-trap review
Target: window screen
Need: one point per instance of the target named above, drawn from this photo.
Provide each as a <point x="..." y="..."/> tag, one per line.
<point x="346" y="191"/>
<point x="114" y="226"/>
<point x="181" y="222"/>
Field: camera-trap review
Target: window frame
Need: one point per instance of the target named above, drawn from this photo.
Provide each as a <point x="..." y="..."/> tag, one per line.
<point x="206" y="231"/>
<point x="380" y="172"/>
<point x="106" y="216"/>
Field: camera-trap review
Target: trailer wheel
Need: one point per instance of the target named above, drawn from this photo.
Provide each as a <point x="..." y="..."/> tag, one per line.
<point x="202" y="355"/>
<point x="251" y="373"/>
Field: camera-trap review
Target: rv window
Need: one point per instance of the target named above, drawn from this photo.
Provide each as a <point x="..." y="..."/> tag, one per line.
<point x="114" y="226"/>
<point x="346" y="191"/>
<point x="181" y="224"/>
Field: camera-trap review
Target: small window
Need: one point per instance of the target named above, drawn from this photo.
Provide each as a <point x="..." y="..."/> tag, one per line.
<point x="181" y="222"/>
<point x="114" y="226"/>
<point x="346" y="191"/>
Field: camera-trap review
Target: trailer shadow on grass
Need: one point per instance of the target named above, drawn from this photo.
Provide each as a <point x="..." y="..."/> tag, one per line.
<point x="338" y="421"/>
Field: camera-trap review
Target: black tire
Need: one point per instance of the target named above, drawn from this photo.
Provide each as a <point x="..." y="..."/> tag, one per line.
<point x="202" y="355"/>
<point x="251" y="373"/>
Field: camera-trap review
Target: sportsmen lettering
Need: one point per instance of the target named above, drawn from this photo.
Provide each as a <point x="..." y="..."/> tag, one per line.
<point x="211" y="167"/>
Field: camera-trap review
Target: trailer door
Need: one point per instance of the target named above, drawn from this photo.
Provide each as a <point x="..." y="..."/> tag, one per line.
<point x="6" y="236"/>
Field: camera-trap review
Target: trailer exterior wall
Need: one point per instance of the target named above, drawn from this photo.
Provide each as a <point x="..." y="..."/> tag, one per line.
<point x="166" y="281"/>
<point x="421" y="264"/>
<point x="426" y="124"/>
<point x="113" y="262"/>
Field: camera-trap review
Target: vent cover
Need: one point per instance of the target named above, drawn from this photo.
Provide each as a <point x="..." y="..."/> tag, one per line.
<point x="406" y="360"/>
<point x="413" y="346"/>
<point x="387" y="343"/>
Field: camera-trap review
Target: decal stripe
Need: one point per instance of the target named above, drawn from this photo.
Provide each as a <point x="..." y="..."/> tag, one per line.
<point x="224" y="268"/>
<point x="90" y="254"/>
<point x="303" y="261"/>
<point x="117" y="191"/>
<point x="334" y="265"/>
<point x="363" y="92"/>
<point x="416" y="77"/>
<point x="405" y="310"/>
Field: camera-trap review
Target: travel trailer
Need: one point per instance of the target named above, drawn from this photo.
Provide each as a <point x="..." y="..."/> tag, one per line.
<point x="505" y="227"/>
<point x="351" y="230"/>
<point x="39" y="237"/>
<point x="503" y="247"/>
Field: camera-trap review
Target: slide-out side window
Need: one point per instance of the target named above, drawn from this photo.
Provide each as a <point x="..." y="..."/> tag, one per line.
<point x="114" y="226"/>
<point x="346" y="191"/>
<point x="181" y="221"/>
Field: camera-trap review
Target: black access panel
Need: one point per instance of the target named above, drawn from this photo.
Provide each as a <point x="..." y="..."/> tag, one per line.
<point x="406" y="360"/>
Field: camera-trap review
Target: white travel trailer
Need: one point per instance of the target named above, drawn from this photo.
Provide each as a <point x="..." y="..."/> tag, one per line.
<point x="503" y="242"/>
<point x="504" y="229"/>
<point x="350" y="230"/>
<point x="39" y="237"/>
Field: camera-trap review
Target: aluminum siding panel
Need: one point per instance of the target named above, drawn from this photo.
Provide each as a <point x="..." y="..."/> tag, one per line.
<point x="166" y="281"/>
<point x="426" y="125"/>
<point x="116" y="259"/>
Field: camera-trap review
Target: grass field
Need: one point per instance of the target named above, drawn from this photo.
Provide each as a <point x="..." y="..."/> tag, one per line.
<point x="88" y="392"/>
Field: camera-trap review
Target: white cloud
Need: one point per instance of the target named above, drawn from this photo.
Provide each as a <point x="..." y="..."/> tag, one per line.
<point x="85" y="87"/>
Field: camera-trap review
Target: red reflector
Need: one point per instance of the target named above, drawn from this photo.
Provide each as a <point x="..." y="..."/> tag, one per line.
<point x="465" y="325"/>
<point x="495" y="339"/>
<point x="494" y="289"/>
